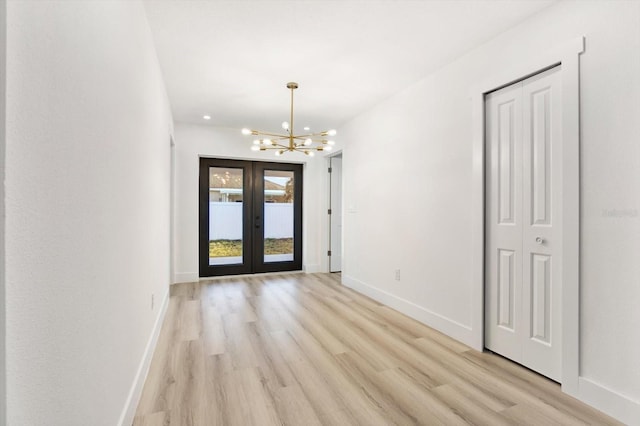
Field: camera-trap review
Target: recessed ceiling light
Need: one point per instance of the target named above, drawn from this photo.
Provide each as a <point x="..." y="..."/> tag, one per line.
<point x="307" y="128"/>
<point x="206" y="117"/>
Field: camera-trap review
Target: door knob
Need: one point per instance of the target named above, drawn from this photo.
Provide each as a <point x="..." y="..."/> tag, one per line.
<point x="539" y="240"/>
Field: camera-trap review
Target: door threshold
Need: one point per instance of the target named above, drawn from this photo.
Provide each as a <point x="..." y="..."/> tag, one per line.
<point x="259" y="274"/>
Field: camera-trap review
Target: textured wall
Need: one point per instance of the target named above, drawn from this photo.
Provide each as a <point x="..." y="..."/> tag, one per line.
<point x="87" y="204"/>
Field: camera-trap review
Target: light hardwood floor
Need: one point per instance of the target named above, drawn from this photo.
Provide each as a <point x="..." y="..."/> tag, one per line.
<point x="299" y="349"/>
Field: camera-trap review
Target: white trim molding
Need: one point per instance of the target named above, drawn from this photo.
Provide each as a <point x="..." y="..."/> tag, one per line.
<point x="312" y="268"/>
<point x="129" y="410"/>
<point x="434" y="320"/>
<point x="609" y="401"/>
<point x="185" y="277"/>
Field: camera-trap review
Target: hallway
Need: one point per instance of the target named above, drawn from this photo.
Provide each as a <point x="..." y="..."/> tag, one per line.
<point x="302" y="349"/>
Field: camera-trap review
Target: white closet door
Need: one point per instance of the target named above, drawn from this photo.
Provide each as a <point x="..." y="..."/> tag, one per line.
<point x="504" y="222"/>
<point x="523" y="246"/>
<point x="542" y="200"/>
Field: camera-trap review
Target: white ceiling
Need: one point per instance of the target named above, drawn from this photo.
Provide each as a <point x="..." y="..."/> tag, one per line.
<point x="232" y="59"/>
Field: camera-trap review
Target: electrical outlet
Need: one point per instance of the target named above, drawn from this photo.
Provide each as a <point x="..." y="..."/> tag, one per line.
<point x="397" y="274"/>
<point x="152" y="301"/>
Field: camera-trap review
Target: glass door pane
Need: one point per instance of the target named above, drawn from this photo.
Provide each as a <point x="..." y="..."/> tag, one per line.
<point x="279" y="190"/>
<point x="226" y="196"/>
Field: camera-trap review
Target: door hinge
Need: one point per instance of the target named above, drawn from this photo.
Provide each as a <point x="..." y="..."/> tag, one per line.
<point x="329" y="211"/>
<point x="329" y="253"/>
<point x="330" y="169"/>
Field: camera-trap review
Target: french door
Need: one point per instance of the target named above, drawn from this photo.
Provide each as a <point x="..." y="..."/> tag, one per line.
<point x="250" y="217"/>
<point x="523" y="227"/>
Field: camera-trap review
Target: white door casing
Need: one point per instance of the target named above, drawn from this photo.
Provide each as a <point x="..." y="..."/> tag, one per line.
<point x="523" y="239"/>
<point x="335" y="261"/>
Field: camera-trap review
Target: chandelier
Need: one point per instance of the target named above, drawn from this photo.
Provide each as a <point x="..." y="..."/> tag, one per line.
<point x="281" y="143"/>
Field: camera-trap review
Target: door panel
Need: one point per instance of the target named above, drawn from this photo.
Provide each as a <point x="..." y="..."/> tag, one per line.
<point x="506" y="289"/>
<point x="225" y="233"/>
<point x="541" y="239"/>
<point x="523" y="265"/>
<point x="540" y="159"/>
<point x="504" y="222"/>
<point x="278" y="217"/>
<point x="250" y="217"/>
<point x="540" y="300"/>
<point x="508" y="127"/>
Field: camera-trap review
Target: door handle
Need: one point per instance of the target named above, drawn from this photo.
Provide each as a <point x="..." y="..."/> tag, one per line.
<point x="539" y="240"/>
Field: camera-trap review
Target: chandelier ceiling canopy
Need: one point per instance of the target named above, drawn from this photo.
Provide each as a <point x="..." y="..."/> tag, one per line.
<point x="306" y="143"/>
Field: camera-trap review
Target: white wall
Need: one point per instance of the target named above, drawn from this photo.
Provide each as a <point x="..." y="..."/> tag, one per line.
<point x="87" y="206"/>
<point x="195" y="141"/>
<point x="424" y="135"/>
<point x="3" y="68"/>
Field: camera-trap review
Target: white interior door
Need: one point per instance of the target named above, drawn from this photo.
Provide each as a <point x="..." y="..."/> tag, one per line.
<point x="523" y="235"/>
<point x="335" y="260"/>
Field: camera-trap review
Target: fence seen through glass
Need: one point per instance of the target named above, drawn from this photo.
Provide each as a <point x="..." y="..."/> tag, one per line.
<point x="226" y="194"/>
<point x="278" y="215"/>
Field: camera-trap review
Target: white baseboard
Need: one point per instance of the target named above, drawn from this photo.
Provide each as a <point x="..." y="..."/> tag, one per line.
<point x="441" y="323"/>
<point x="609" y="402"/>
<point x="185" y="277"/>
<point x="312" y="268"/>
<point x="129" y="411"/>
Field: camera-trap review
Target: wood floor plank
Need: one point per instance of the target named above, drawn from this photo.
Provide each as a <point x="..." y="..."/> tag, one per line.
<point x="268" y="357"/>
<point x="302" y="349"/>
<point x="212" y="330"/>
<point x="153" y="419"/>
<point x="350" y="337"/>
<point x="317" y="390"/>
<point x="294" y="408"/>
<point x="258" y="397"/>
<point x="364" y="377"/>
<point x="424" y="406"/>
<point x="307" y="321"/>
<point x="473" y="411"/>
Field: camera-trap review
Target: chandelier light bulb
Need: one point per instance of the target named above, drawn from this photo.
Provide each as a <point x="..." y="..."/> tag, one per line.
<point x="255" y="148"/>
<point x="328" y="148"/>
<point x="331" y="142"/>
<point x="278" y="153"/>
<point x="246" y="131"/>
<point x="308" y="142"/>
<point x="285" y="125"/>
<point x="332" y="132"/>
<point x="256" y="141"/>
<point x="266" y="141"/>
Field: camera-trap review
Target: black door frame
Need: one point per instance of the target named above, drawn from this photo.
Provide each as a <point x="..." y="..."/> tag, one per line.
<point x="253" y="218"/>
